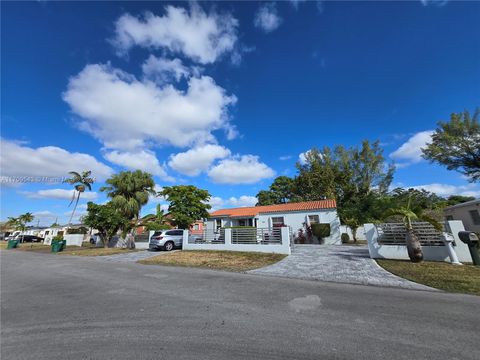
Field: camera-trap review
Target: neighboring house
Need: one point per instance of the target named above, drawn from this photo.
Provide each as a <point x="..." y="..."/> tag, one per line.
<point x="197" y="228"/>
<point x="468" y="212"/>
<point x="295" y="215"/>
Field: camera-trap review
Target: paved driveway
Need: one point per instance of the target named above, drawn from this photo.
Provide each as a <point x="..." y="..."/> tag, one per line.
<point x="342" y="264"/>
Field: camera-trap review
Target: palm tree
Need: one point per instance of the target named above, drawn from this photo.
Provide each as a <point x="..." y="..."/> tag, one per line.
<point x="129" y="191"/>
<point x="408" y="215"/>
<point x="20" y="223"/>
<point x="81" y="182"/>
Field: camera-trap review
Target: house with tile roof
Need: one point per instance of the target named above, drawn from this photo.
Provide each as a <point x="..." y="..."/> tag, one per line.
<point x="297" y="216"/>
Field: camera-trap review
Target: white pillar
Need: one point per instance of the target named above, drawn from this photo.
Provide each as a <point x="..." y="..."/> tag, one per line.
<point x="228" y="236"/>
<point x="186" y="233"/>
<point x="448" y="240"/>
<point x="285" y="235"/>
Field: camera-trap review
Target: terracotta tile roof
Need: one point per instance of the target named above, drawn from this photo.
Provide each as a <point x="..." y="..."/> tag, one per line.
<point x="255" y="210"/>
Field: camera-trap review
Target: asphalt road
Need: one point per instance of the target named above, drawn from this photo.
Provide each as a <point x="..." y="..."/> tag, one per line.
<point x="61" y="307"/>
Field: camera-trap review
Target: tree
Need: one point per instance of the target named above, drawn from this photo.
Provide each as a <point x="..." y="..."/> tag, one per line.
<point x="408" y="215"/>
<point x="456" y="144"/>
<point x="129" y="191"/>
<point x="20" y="222"/>
<point x="458" y="199"/>
<point x="106" y="219"/>
<point x="280" y="192"/>
<point x="156" y="222"/>
<point x="187" y="204"/>
<point x="354" y="177"/>
<point x="81" y="182"/>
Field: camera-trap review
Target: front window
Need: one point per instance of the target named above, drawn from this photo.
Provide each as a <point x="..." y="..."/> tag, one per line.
<point x="218" y="224"/>
<point x="277" y="221"/>
<point x="242" y="222"/>
<point x="313" y="219"/>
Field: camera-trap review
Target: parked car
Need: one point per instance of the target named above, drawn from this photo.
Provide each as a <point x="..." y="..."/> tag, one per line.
<point x="29" y="238"/>
<point x="13" y="235"/>
<point x="166" y="240"/>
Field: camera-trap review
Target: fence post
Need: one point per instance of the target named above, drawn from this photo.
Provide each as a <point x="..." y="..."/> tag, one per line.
<point x="228" y="236"/>
<point x="372" y="238"/>
<point x="285" y="235"/>
<point x="186" y="233"/>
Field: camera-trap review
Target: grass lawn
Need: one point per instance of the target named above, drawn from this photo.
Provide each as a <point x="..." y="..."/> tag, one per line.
<point x="218" y="260"/>
<point x="440" y="275"/>
<point x="84" y="250"/>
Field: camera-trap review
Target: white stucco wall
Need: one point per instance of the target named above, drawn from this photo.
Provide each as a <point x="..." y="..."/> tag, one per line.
<point x="296" y="219"/>
<point x="432" y="253"/>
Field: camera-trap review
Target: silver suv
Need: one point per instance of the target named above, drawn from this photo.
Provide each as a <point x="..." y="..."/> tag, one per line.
<point x="166" y="240"/>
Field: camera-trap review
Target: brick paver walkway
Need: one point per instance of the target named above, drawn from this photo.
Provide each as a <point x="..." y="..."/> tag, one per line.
<point x="335" y="263"/>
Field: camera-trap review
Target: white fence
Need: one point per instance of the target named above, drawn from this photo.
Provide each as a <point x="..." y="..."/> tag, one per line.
<point x="72" y="239"/>
<point x="268" y="240"/>
<point x="387" y="241"/>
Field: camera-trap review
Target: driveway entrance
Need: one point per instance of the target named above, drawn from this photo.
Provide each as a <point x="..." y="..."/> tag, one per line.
<point x="335" y="263"/>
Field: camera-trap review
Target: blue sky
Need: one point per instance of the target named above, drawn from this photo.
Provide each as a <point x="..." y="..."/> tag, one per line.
<point x="225" y="96"/>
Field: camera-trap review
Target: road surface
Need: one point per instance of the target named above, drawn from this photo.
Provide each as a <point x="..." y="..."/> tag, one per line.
<point x="63" y="307"/>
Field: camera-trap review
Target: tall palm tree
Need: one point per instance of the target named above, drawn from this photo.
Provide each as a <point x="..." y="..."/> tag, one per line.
<point x="414" y="248"/>
<point x="20" y="223"/>
<point x="81" y="182"/>
<point x="129" y="191"/>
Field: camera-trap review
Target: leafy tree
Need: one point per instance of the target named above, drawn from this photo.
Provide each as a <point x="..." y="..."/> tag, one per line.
<point x="408" y="215"/>
<point x="280" y="192"/>
<point x="156" y="222"/>
<point x="187" y="204"/>
<point x="458" y="199"/>
<point x="355" y="177"/>
<point x="81" y="182"/>
<point x="456" y="144"/>
<point x="106" y="219"/>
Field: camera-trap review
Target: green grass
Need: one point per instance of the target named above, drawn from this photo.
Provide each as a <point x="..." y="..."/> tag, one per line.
<point x="440" y="275"/>
<point x="218" y="260"/>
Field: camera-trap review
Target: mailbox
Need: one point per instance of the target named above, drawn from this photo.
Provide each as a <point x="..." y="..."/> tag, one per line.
<point x="468" y="237"/>
<point x="471" y="239"/>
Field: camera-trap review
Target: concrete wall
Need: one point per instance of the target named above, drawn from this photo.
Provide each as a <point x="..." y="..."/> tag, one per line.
<point x="283" y="248"/>
<point x="432" y="253"/>
<point x="360" y="232"/>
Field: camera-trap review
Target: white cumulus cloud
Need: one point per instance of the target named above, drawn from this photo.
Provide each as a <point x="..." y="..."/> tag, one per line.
<point x="63" y="194"/>
<point x="411" y="151"/>
<point x="267" y="18"/>
<point x="196" y="160"/>
<point x="20" y="160"/>
<point x="243" y="201"/>
<point x="124" y="113"/>
<point x="447" y="189"/>
<point x="162" y="70"/>
<point x="139" y="160"/>
<point x="193" y="33"/>
<point x="217" y="202"/>
<point x="246" y="169"/>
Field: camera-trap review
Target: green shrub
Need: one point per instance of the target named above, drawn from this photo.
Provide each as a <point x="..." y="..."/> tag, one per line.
<point x="320" y="231"/>
<point x="58" y="238"/>
<point x="345" y="238"/>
